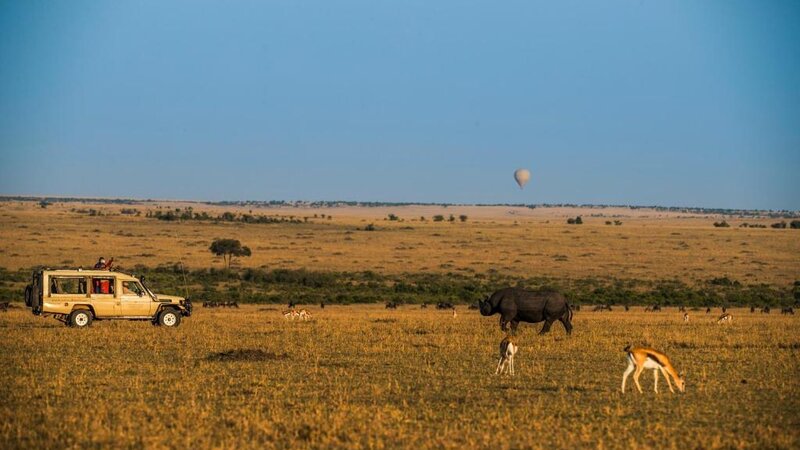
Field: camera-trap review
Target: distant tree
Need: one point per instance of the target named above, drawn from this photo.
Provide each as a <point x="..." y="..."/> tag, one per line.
<point x="392" y="217"/>
<point x="422" y="218"/>
<point x="617" y="222"/>
<point x="462" y="218"/>
<point x="370" y="227"/>
<point x="452" y="218"/>
<point x="228" y="249"/>
<point x="438" y="218"/>
<point x="578" y="221"/>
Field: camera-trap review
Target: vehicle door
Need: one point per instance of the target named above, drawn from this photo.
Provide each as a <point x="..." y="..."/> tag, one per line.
<point x="134" y="301"/>
<point x="104" y="300"/>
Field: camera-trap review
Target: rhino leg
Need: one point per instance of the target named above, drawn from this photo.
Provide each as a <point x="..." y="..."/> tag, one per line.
<point x="547" y="324"/>
<point x="514" y="325"/>
<point x="567" y="324"/>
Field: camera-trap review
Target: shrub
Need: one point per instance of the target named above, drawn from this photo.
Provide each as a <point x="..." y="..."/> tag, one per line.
<point x="438" y="218"/>
<point x="722" y="224"/>
<point x="370" y="227"/>
<point x="779" y="225"/>
<point x="795" y="224"/>
<point x="463" y="218"/>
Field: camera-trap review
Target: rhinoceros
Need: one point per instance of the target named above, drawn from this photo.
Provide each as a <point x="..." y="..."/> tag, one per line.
<point x="517" y="305"/>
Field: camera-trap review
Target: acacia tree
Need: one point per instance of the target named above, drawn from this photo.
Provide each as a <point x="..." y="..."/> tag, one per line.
<point x="228" y="249"/>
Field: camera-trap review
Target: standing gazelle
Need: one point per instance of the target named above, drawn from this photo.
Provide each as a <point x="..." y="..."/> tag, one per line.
<point x="640" y="358"/>
<point x="507" y="351"/>
<point x="685" y="317"/>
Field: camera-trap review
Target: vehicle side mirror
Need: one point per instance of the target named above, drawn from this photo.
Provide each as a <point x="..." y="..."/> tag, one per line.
<point x="141" y="294"/>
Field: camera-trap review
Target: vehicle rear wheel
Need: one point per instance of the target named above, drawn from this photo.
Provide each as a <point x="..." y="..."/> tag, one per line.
<point x="169" y="318"/>
<point x="80" y="318"/>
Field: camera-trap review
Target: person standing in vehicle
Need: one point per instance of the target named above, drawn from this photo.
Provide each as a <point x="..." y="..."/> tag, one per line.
<point x="103" y="265"/>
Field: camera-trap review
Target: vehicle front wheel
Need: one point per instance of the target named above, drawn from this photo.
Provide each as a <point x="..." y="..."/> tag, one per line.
<point x="169" y="318"/>
<point x="81" y="318"/>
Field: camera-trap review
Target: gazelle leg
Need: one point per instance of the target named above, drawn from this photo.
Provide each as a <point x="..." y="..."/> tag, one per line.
<point x="626" y="375"/>
<point x="499" y="366"/>
<point x="511" y="365"/>
<point x="669" y="383"/>
<point x="636" y="375"/>
<point x="655" y="380"/>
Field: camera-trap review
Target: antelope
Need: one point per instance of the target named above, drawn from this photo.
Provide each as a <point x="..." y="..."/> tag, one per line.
<point x="507" y="351"/>
<point x="685" y="317"/>
<point x="290" y="314"/>
<point x="727" y="317"/>
<point x="454" y="313"/>
<point x="641" y="358"/>
<point x="304" y="315"/>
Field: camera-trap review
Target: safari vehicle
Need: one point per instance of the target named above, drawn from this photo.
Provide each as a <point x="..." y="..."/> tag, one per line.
<point x="77" y="297"/>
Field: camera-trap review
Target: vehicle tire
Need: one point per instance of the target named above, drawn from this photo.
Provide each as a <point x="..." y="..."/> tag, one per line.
<point x="169" y="318"/>
<point x="80" y="318"/>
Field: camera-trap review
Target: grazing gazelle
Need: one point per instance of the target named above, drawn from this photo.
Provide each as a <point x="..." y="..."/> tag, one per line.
<point x="290" y="314"/>
<point x="640" y="358"/>
<point x="507" y="351"/>
<point x="727" y="317"/>
<point x="685" y="317"/>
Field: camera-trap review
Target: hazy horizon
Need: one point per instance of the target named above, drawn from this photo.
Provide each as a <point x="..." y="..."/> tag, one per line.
<point x="623" y="103"/>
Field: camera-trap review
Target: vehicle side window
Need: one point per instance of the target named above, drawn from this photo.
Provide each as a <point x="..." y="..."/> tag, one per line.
<point x="132" y="288"/>
<point x="103" y="285"/>
<point x="67" y="286"/>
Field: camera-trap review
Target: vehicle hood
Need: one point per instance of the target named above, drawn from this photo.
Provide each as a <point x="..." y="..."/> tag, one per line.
<point x="169" y="298"/>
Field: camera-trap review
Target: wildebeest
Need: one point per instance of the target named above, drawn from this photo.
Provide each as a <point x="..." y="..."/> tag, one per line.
<point x="444" y="305"/>
<point x="682" y="309"/>
<point x="765" y="310"/>
<point x="787" y="310"/>
<point x="391" y="305"/>
<point x="517" y="305"/>
<point x="708" y="310"/>
<point x="752" y="309"/>
<point x="220" y="304"/>
<point x="473" y="306"/>
<point x="627" y="308"/>
<point x="602" y="308"/>
<point x="423" y="306"/>
<point x="4" y="306"/>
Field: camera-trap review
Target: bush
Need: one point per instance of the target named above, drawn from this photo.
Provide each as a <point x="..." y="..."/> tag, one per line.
<point x="779" y="225"/>
<point x="722" y="224"/>
<point x="575" y="221"/>
<point x="370" y="227"/>
<point x="438" y="218"/>
<point x="463" y="218"/>
<point x="392" y="217"/>
<point x="795" y="224"/>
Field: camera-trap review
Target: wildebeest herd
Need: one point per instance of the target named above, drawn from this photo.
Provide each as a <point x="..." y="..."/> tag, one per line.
<point x="220" y="304"/>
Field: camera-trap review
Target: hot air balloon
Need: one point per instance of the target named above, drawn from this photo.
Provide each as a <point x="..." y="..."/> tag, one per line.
<point x="522" y="176"/>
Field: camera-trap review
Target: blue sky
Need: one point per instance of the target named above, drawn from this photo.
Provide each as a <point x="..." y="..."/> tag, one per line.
<point x="689" y="103"/>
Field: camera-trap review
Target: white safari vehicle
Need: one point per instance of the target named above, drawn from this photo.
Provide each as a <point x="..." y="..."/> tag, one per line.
<point x="77" y="297"/>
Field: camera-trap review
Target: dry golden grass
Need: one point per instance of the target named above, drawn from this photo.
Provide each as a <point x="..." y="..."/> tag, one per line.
<point x="513" y="241"/>
<point x="358" y="377"/>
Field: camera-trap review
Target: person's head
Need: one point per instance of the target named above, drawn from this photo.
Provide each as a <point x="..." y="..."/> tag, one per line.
<point x="102" y="260"/>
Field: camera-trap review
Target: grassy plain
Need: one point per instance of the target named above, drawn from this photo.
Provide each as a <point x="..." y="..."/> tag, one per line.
<point x="362" y="376"/>
<point x="524" y="242"/>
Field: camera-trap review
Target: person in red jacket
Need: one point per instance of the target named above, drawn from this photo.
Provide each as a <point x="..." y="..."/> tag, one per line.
<point x="102" y="286"/>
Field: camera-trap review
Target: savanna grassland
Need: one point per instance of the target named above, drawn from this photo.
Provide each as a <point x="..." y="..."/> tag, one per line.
<point x="361" y="376"/>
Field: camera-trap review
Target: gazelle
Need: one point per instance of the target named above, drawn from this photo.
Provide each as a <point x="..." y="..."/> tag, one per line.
<point x="454" y="313"/>
<point x="507" y="351"/>
<point x="640" y="358"/>
<point x="685" y="317"/>
<point x="290" y="314"/>
<point x="304" y="315"/>
<point x="727" y="317"/>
